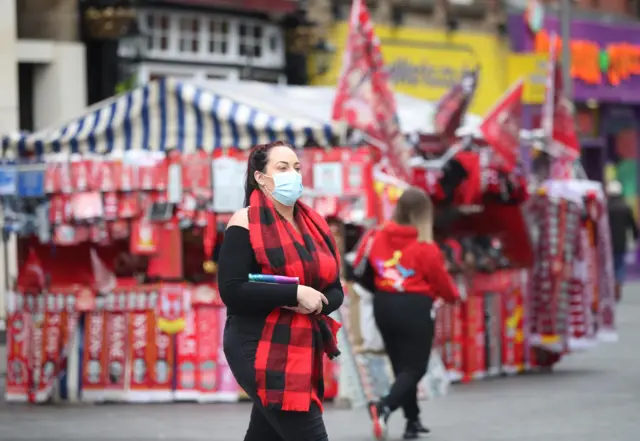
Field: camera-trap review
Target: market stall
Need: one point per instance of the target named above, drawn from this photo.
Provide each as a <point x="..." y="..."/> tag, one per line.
<point x="116" y="210"/>
<point x="170" y="114"/>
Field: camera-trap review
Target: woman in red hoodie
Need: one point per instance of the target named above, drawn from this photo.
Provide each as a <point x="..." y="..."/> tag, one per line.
<point x="404" y="268"/>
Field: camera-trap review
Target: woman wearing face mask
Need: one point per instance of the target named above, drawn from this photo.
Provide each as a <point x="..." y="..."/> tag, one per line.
<point x="276" y="335"/>
<point x="404" y="268"/>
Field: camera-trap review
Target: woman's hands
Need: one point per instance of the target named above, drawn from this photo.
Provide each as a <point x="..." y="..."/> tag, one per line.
<point x="310" y="301"/>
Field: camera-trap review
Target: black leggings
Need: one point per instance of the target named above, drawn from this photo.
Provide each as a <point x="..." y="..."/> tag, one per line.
<point x="406" y="327"/>
<point x="267" y="425"/>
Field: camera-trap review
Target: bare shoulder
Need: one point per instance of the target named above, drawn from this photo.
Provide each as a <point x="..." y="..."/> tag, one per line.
<point x="239" y="219"/>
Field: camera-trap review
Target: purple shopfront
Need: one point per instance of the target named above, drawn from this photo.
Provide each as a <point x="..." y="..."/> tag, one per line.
<point x="606" y="89"/>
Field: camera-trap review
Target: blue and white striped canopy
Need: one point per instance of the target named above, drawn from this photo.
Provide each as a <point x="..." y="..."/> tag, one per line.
<point x="169" y="114"/>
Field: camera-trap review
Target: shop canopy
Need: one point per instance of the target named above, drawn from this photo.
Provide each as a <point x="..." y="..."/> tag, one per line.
<point x="169" y="114"/>
<point x="415" y="115"/>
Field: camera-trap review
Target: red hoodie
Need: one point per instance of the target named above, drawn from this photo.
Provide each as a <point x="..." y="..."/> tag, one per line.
<point x="402" y="264"/>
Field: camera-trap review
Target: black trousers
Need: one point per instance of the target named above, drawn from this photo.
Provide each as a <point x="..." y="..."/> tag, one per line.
<point x="240" y="344"/>
<point x="406" y="326"/>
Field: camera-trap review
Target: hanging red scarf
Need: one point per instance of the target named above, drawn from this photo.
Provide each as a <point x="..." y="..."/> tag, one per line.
<point x="289" y="380"/>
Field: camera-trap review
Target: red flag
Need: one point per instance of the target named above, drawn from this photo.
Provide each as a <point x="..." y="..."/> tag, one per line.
<point x="501" y="127"/>
<point x="557" y="116"/>
<point x="364" y="99"/>
<point x="452" y="107"/>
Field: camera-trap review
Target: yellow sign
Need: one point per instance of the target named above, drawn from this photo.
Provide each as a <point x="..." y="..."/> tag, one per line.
<point x="533" y="69"/>
<point x="426" y="63"/>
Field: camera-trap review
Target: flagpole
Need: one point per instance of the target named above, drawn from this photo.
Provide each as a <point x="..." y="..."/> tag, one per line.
<point x="565" y="30"/>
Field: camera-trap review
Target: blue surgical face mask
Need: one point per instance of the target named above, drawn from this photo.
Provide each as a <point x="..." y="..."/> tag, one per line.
<point x="287" y="187"/>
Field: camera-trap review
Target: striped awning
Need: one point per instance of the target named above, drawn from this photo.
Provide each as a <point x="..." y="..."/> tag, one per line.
<point x="168" y="114"/>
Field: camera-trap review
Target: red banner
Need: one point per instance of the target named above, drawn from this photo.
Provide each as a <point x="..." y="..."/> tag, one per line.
<point x="162" y="372"/>
<point x="187" y="360"/>
<point x="141" y="339"/>
<point x="18" y="349"/>
<point x="94" y="375"/>
<point x="116" y="364"/>
<point x="474" y="345"/>
<point x="52" y="350"/>
<point x="209" y="342"/>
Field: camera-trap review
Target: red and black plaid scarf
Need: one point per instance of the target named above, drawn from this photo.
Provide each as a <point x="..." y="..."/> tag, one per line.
<point x="289" y="357"/>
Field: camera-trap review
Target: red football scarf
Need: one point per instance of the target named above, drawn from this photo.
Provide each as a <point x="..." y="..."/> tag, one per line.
<point x="290" y="352"/>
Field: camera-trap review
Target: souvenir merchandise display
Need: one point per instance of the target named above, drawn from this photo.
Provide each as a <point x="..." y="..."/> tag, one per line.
<point x="140" y="344"/>
<point x="100" y="200"/>
<point x="169" y="348"/>
<point x="572" y="301"/>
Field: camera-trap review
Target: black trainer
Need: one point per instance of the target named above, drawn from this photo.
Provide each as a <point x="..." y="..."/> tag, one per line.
<point x="415" y="430"/>
<point x="379" y="417"/>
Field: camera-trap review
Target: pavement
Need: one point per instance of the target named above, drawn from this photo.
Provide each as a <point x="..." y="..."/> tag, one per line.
<point x="590" y="396"/>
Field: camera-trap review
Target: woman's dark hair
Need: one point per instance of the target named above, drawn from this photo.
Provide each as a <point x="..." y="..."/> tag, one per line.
<point x="258" y="159"/>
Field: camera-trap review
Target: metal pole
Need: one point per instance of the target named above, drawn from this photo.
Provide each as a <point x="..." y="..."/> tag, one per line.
<point x="565" y="31"/>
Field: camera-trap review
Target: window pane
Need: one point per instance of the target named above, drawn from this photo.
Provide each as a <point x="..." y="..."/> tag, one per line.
<point x="257" y="31"/>
<point x="273" y="43"/>
<point x="164" y="22"/>
<point x="243" y="30"/>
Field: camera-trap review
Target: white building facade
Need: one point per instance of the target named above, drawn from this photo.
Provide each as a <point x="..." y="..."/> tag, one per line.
<point x="201" y="45"/>
<point x="52" y="83"/>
